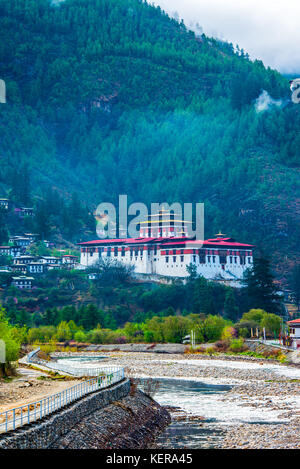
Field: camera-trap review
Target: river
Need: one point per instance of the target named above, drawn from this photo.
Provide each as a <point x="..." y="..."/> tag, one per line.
<point x="203" y="398"/>
<point x="200" y="413"/>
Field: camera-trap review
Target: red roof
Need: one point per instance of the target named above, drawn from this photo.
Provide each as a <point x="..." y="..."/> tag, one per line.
<point x="294" y="321"/>
<point x="225" y="242"/>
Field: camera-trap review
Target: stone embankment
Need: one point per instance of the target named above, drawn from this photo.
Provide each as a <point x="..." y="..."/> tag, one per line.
<point x="292" y="356"/>
<point x="131" y="423"/>
<point x="117" y="417"/>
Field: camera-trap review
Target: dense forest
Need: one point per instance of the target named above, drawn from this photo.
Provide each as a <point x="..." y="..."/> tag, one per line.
<point x="109" y="97"/>
<point x="114" y="297"/>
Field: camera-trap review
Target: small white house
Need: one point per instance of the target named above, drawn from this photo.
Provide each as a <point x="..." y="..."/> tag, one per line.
<point x="4" y="203"/>
<point x="22" y="241"/>
<point x="36" y="267"/>
<point x="294" y="328"/>
<point x="51" y="262"/>
<point x="20" y="268"/>
<point x="4" y="250"/>
<point x="24" y="260"/>
<point x="23" y="282"/>
<point x="69" y="261"/>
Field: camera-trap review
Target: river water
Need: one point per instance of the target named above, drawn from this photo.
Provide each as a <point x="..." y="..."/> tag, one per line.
<point x="200" y="413"/>
<point x="200" y="408"/>
<point x="189" y="399"/>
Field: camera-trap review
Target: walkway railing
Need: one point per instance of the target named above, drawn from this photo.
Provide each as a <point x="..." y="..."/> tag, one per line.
<point x="274" y="344"/>
<point x="28" y="413"/>
<point x="82" y="371"/>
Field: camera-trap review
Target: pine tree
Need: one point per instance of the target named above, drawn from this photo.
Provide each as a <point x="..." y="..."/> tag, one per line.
<point x="3" y="227"/>
<point x="260" y="287"/>
<point x="294" y="284"/>
<point x="231" y="310"/>
<point x="202" y="297"/>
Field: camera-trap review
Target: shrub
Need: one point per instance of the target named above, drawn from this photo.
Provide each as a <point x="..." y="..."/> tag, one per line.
<point x="271" y="353"/>
<point x="192" y="350"/>
<point x="80" y="336"/>
<point x="121" y="340"/>
<point x="221" y="345"/>
<point x="243" y="332"/>
<point x="211" y="350"/>
<point x="228" y="334"/>
<point x="213" y="327"/>
<point x="237" y="345"/>
<point x="282" y="358"/>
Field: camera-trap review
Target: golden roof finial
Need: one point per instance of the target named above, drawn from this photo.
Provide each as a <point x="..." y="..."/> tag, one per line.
<point x="220" y="234"/>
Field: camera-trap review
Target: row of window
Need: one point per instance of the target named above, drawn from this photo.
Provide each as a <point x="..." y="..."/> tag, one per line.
<point x="174" y="259"/>
<point x="202" y="260"/>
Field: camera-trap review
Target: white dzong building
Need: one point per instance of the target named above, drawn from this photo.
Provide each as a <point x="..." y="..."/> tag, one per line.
<point x="164" y="250"/>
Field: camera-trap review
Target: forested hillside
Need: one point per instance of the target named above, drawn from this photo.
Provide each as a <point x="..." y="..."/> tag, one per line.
<point x="109" y="97"/>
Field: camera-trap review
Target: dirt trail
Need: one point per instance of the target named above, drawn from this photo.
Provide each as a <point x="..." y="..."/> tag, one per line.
<point x="26" y="388"/>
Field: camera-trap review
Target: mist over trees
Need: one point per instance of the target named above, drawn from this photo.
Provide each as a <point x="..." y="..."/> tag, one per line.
<point x="107" y="98"/>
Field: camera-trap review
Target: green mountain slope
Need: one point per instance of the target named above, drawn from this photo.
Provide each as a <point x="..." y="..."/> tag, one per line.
<point x="109" y="97"/>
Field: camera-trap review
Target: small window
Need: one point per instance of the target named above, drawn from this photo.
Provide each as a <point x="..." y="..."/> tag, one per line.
<point x="202" y="258"/>
<point x="167" y="259"/>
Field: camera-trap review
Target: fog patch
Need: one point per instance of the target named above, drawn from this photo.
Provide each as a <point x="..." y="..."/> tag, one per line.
<point x="265" y="102"/>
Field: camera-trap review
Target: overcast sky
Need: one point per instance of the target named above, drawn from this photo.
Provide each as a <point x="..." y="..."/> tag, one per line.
<point x="267" y="29"/>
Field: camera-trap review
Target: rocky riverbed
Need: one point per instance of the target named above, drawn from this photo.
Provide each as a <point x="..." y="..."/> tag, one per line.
<point x="261" y="408"/>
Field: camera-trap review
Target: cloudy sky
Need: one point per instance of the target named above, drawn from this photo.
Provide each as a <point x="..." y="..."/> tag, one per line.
<point x="267" y="29"/>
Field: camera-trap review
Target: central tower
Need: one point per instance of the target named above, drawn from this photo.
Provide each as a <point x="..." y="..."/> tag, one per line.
<point x="164" y="224"/>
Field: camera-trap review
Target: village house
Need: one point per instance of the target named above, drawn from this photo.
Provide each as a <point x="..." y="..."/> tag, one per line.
<point x="48" y="244"/>
<point x="33" y="237"/>
<point x="164" y="250"/>
<point x="36" y="267"/>
<point x="26" y="259"/>
<point x="22" y="268"/>
<point x="23" y="282"/>
<point x="52" y="262"/>
<point x="29" y="264"/>
<point x="5" y="251"/>
<point x="93" y="276"/>
<point x="24" y="211"/>
<point x="69" y="261"/>
<point x="16" y="251"/>
<point x="22" y="241"/>
<point x="13" y="251"/>
<point x="294" y="332"/>
<point x="4" y="203"/>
